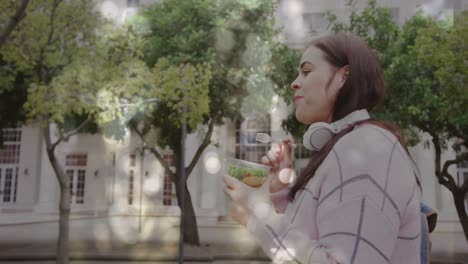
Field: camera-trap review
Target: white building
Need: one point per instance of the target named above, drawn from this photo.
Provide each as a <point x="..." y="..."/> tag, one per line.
<point x="120" y="194"/>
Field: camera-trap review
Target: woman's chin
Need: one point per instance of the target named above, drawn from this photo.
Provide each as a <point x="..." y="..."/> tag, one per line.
<point x="302" y="119"/>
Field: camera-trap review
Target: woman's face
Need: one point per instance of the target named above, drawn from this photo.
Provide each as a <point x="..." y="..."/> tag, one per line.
<point x="316" y="87"/>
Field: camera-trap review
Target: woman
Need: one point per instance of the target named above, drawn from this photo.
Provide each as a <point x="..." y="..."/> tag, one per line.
<point x="358" y="199"/>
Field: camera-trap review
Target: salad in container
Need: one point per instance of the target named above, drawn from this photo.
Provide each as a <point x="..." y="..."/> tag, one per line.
<point x="250" y="173"/>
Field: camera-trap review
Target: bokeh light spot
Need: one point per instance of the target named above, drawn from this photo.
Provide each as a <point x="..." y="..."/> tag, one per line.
<point x="110" y="10"/>
<point x="212" y="162"/>
<point x="152" y="186"/>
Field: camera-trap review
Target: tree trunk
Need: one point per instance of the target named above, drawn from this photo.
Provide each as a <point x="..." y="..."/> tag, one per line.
<point x="450" y="184"/>
<point x="190" y="221"/>
<point x="459" y="199"/>
<point x="64" y="205"/>
<point x="63" y="237"/>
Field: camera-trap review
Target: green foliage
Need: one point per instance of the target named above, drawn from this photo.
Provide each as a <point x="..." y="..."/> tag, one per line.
<point x="39" y="49"/>
<point x="426" y="79"/>
<point x="183" y="85"/>
<point x="233" y="39"/>
<point x="373" y="23"/>
<point x="443" y="49"/>
<point x="73" y="64"/>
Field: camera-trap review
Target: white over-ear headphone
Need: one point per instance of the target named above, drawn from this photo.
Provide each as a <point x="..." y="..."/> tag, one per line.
<point x="318" y="134"/>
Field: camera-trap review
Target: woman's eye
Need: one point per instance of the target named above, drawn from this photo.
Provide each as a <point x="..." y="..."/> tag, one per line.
<point x="305" y="72"/>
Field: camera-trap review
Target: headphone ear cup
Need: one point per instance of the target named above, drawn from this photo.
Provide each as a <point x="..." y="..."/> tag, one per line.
<point x="317" y="136"/>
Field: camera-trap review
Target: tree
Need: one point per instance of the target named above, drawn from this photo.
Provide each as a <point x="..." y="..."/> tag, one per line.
<point x="236" y="38"/>
<point x="424" y="64"/>
<point x="425" y="79"/>
<point x="443" y="112"/>
<point x="43" y="44"/>
<point x="74" y="67"/>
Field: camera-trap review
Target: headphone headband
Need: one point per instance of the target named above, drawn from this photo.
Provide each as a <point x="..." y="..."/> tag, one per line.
<point x="318" y="134"/>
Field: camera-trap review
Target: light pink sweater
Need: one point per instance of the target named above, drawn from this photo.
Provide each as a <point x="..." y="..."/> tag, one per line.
<point x="362" y="206"/>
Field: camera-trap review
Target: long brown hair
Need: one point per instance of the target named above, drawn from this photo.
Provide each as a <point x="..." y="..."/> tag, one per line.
<point x="363" y="89"/>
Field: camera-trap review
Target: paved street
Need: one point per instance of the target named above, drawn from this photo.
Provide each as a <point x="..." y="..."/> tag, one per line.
<point x="139" y="262"/>
<point x="141" y="253"/>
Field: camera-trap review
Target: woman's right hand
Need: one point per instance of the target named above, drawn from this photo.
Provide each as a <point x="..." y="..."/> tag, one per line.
<point x="280" y="158"/>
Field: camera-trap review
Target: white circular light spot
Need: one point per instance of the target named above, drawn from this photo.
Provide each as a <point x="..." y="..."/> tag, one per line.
<point x="212" y="162"/>
<point x="261" y="210"/>
<point x="151" y="186"/>
<point x="124" y="228"/>
<point x="110" y="10"/>
<point x="355" y="157"/>
<point x="286" y="175"/>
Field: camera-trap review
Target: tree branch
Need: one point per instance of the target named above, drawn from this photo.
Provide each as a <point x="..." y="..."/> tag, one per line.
<point x="48" y="141"/>
<point x="461" y="157"/>
<point x="71" y="133"/>
<point x="448" y="181"/>
<point x="464" y="188"/>
<point x="49" y="40"/>
<point x="438" y="152"/>
<point x="206" y="142"/>
<point x="50" y="148"/>
<point x="157" y="155"/>
<point x="52" y="17"/>
<point x="77" y="130"/>
<point x="14" y="21"/>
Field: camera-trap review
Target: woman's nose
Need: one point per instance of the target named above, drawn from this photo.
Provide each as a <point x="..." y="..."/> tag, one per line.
<point x="295" y="85"/>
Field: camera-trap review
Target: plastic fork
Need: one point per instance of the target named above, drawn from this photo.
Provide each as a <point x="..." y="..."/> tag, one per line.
<point x="263" y="138"/>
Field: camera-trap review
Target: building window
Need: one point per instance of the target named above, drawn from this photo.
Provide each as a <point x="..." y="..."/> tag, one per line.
<point x="7" y="185"/>
<point x="76" y="160"/>
<point x="300" y="152"/>
<point x="246" y="130"/>
<point x="11" y="135"/>
<point x="9" y="160"/>
<point x="167" y="195"/>
<point x="76" y="171"/>
<point x="168" y="185"/>
<point x="70" y="175"/>
<point x="80" y="187"/>
<point x="15" y="187"/>
<point x="132" y="160"/>
<point x="131" y="179"/>
<point x="9" y="153"/>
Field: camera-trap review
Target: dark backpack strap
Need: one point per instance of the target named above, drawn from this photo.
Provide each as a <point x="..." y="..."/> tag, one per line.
<point x="431" y="216"/>
<point x="428" y="224"/>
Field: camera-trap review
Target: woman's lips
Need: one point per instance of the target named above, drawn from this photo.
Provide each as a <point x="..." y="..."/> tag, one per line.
<point x="297" y="98"/>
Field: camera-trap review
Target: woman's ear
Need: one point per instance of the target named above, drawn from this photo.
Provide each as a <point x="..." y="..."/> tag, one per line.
<point x="339" y="79"/>
<point x="343" y="72"/>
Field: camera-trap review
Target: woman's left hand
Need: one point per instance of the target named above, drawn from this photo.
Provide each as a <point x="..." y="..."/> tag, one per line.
<point x="241" y="195"/>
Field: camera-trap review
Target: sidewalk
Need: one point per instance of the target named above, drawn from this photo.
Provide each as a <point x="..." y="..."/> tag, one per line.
<point x="149" y="251"/>
<point x="156" y="252"/>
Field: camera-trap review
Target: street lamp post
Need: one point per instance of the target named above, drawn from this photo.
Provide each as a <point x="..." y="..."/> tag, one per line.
<point x="142" y="159"/>
<point x="182" y="184"/>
